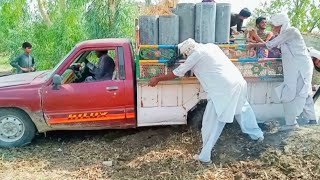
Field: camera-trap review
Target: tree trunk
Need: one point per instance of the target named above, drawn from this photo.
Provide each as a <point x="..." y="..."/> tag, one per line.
<point x="43" y="12"/>
<point x="314" y="25"/>
<point x="148" y="2"/>
<point x="62" y="4"/>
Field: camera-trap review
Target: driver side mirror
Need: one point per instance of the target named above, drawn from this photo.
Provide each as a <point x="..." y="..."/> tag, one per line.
<point x="56" y="82"/>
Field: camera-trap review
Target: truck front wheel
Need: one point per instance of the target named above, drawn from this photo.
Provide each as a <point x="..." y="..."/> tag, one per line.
<point x="16" y="128"/>
<point x="195" y="116"/>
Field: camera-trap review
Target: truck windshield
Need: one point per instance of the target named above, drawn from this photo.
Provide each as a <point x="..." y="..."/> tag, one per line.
<point x="59" y="64"/>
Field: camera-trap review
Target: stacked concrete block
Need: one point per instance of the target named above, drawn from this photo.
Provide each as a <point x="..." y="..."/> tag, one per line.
<point x="223" y="20"/>
<point x="169" y="29"/>
<point x="205" y="25"/>
<point x="149" y="30"/>
<point x="186" y="13"/>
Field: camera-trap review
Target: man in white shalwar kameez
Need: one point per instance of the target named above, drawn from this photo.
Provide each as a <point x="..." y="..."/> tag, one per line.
<point x="226" y="93"/>
<point x="295" y="91"/>
<point x="308" y="110"/>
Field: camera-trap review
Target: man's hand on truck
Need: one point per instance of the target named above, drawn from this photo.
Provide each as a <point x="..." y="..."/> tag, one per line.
<point x="155" y="80"/>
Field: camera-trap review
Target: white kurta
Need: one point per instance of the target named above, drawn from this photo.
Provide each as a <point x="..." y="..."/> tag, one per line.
<point x="227" y="91"/>
<point x="296" y="61"/>
<point x="219" y="78"/>
<point x="297" y="70"/>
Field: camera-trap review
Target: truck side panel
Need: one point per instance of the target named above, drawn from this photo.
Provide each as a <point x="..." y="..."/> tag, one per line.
<point x="169" y="102"/>
<point x="160" y="101"/>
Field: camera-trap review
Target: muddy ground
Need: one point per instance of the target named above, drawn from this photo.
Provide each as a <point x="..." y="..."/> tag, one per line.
<point x="164" y="153"/>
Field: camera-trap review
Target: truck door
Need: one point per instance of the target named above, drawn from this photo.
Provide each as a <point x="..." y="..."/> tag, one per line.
<point x="82" y="102"/>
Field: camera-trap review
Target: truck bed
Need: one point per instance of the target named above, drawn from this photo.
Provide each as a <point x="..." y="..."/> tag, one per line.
<point x="175" y="98"/>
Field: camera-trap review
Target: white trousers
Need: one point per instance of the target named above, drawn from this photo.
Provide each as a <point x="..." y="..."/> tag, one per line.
<point x="308" y="110"/>
<point x="212" y="128"/>
<point x="299" y="105"/>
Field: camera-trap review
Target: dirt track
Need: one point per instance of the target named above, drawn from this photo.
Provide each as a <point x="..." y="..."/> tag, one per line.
<point x="164" y="153"/>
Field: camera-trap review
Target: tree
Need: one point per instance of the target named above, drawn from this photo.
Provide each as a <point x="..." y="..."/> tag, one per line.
<point x="43" y="12"/>
<point x="54" y="27"/>
<point x="303" y="14"/>
<point x="110" y="18"/>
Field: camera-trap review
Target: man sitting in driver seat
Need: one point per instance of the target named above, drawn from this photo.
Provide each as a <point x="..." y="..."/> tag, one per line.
<point x="103" y="70"/>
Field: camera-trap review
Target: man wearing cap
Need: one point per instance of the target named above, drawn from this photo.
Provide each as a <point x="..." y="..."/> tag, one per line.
<point x="237" y="19"/>
<point x="226" y="93"/>
<point x="296" y="89"/>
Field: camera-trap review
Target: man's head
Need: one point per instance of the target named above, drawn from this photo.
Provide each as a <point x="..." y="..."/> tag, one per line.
<point x="187" y="47"/>
<point x="244" y="13"/>
<point x="101" y="53"/>
<point x="280" y="22"/>
<point x="27" y="47"/>
<point x="261" y="23"/>
<point x="315" y="55"/>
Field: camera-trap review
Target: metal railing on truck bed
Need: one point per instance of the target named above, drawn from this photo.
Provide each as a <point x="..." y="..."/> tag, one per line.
<point x="152" y="60"/>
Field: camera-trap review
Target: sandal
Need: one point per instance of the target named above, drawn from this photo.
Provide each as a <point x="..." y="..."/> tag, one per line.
<point x="196" y="157"/>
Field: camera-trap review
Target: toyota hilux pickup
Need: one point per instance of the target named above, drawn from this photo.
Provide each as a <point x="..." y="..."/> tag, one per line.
<point x="62" y="99"/>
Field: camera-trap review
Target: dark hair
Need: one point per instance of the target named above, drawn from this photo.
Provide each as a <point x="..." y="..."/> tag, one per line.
<point x="260" y="19"/>
<point x="101" y="53"/>
<point x="26" y="45"/>
<point x="313" y="60"/>
<point x="245" y="12"/>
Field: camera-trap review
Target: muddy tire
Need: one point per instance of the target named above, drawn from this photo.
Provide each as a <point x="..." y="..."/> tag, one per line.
<point x="16" y="128"/>
<point x="195" y="116"/>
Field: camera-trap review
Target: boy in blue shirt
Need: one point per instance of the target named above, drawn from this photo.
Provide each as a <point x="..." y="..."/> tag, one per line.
<point x="25" y="62"/>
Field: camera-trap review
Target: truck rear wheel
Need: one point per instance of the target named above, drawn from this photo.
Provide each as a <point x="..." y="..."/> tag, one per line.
<point x="16" y="128"/>
<point x="195" y="116"/>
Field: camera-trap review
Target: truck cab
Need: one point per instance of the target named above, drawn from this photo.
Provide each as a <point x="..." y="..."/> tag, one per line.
<point x="61" y="99"/>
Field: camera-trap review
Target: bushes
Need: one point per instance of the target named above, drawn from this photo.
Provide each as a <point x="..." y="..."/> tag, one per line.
<point x="71" y="22"/>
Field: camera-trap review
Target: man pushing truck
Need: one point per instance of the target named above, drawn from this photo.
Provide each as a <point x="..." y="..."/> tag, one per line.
<point x="226" y="93"/>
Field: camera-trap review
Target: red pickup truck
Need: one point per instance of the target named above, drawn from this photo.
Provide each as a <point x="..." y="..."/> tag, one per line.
<point x="50" y="100"/>
<point x="62" y="99"/>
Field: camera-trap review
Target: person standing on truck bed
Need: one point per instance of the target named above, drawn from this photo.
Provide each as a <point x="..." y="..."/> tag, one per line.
<point x="260" y="34"/>
<point x="226" y="93"/>
<point x="237" y="20"/>
<point x="25" y="62"/>
<point x="295" y="91"/>
<point x="103" y="70"/>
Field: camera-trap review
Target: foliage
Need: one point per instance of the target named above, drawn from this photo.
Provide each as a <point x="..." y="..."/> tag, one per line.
<point x="304" y="14"/>
<point x="54" y="27"/>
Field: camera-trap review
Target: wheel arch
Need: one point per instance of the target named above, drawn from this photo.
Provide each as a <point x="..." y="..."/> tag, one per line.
<point x="37" y="118"/>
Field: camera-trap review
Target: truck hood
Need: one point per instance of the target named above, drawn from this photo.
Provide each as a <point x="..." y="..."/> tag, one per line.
<point x="21" y="79"/>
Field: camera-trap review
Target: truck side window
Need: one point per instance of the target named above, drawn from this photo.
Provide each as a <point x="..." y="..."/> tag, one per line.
<point x="122" y="71"/>
<point x="93" y="66"/>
